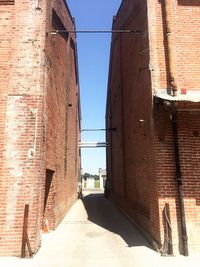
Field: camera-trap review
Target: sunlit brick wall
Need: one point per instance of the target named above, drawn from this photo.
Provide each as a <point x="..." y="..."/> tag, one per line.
<point x="34" y="135"/>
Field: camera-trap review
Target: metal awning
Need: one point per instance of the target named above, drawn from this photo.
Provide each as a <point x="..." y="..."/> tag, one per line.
<point x="190" y="96"/>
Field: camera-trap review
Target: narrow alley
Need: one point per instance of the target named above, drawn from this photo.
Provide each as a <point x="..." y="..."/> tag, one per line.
<point x="94" y="234"/>
<point x="127" y="73"/>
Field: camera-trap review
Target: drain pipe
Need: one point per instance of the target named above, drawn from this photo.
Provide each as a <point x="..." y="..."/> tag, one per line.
<point x="179" y="181"/>
<point x="172" y="81"/>
<point x="174" y="89"/>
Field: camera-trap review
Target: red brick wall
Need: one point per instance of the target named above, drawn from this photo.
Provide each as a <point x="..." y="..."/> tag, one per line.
<point x="133" y="181"/>
<point x="73" y="137"/>
<point x="142" y="166"/>
<point x="188" y="128"/>
<point x="22" y="158"/>
<point x="184" y="17"/>
<point x="5" y="51"/>
<point x="116" y="122"/>
<point x="33" y="120"/>
<point x="62" y="116"/>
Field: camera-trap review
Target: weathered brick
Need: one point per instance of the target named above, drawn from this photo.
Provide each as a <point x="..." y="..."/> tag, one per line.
<point x="141" y="166"/>
<point x="39" y="132"/>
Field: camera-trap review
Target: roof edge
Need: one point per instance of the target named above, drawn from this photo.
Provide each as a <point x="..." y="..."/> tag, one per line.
<point x="186" y="96"/>
<point x="68" y="10"/>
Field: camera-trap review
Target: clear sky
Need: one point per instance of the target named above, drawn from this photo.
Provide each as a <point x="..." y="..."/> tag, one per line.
<point x="93" y="57"/>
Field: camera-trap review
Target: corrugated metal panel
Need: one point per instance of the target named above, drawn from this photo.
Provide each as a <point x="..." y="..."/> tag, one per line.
<point x="190" y="96"/>
<point x="7" y="2"/>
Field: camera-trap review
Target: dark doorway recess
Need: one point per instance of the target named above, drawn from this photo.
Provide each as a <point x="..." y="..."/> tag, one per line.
<point x="49" y="202"/>
<point x="49" y="177"/>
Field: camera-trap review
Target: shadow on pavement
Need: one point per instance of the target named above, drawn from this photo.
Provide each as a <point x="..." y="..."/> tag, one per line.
<point x="103" y="213"/>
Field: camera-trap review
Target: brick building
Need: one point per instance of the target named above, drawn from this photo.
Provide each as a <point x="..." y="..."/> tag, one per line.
<point x="153" y="120"/>
<point x="39" y="119"/>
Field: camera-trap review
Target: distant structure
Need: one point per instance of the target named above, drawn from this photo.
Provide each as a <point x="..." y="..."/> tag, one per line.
<point x="153" y="102"/>
<point x="90" y="183"/>
<point x="102" y="177"/>
<point x="39" y="121"/>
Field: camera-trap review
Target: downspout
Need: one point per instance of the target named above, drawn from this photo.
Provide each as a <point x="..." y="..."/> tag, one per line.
<point x="179" y="181"/>
<point x="174" y="89"/>
<point x="172" y="81"/>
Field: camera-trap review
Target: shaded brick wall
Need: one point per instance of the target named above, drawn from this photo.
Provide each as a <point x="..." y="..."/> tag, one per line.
<point x="133" y="173"/>
<point x="142" y="165"/>
<point x="33" y="120"/>
<point x="116" y="122"/>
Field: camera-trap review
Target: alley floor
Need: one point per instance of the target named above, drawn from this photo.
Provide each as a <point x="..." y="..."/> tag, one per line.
<point x="95" y="234"/>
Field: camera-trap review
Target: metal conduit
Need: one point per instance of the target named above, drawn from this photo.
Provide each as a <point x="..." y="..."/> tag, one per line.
<point x="169" y="47"/>
<point x="95" y="31"/>
<point x="179" y="181"/>
<point x="174" y="89"/>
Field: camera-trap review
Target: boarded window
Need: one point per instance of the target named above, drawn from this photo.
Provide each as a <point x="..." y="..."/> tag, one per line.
<point x="7" y="2"/>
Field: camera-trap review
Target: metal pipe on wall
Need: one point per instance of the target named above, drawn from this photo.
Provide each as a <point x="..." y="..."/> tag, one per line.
<point x="169" y="47"/>
<point x="179" y="181"/>
<point x="174" y="89"/>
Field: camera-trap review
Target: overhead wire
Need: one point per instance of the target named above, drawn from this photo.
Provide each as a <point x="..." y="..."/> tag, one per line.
<point x="95" y="31"/>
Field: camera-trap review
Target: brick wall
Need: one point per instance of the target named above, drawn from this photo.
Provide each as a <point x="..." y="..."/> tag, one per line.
<point x="188" y="127"/>
<point x="133" y="173"/>
<point x="142" y="166"/>
<point x="34" y="116"/>
<point x="22" y="158"/>
<point x="62" y="116"/>
<point x="184" y="19"/>
<point x="184" y="23"/>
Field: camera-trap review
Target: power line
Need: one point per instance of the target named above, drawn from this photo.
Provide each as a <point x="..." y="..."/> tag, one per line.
<point x="92" y="130"/>
<point x="97" y="130"/>
<point x="95" y="31"/>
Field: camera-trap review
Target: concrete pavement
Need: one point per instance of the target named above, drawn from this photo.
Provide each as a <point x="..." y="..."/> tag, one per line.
<point x="95" y="234"/>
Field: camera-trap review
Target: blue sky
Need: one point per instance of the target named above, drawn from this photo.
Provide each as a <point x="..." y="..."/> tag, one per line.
<point x="93" y="57"/>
